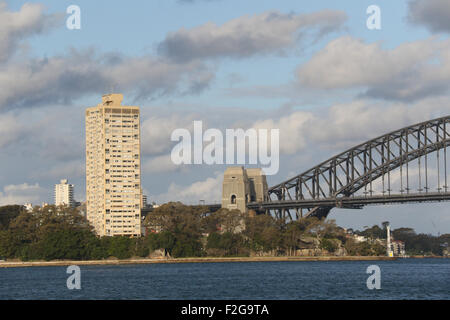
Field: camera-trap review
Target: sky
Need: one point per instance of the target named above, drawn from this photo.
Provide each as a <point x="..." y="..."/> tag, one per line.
<point x="313" y="69"/>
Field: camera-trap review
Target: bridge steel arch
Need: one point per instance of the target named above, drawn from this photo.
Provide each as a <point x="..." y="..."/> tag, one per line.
<point x="335" y="182"/>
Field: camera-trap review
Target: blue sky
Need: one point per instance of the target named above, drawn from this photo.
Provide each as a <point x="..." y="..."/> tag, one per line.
<point x="228" y="79"/>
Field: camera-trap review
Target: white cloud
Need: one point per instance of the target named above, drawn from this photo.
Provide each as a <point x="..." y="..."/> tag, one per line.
<point x="157" y="130"/>
<point x="21" y="194"/>
<point x="245" y="36"/>
<point x="292" y="135"/>
<point x="433" y="14"/>
<point x="159" y="164"/>
<point x="16" y="26"/>
<point x="62" y="170"/>
<point x="407" y="72"/>
<point x="11" y="130"/>
<point x="62" y="79"/>
<point x="347" y="124"/>
<point x="209" y="190"/>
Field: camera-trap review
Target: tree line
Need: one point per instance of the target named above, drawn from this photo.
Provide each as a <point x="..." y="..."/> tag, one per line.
<point x="177" y="230"/>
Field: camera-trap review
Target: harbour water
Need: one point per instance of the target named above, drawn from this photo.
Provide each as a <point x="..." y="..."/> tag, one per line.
<point x="400" y="279"/>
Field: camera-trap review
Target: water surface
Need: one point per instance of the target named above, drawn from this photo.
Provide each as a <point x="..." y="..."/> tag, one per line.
<point x="401" y="279"/>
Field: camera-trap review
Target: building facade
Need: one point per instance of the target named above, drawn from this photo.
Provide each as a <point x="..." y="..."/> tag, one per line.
<point x="398" y="248"/>
<point x="144" y="203"/>
<point x="64" y="194"/>
<point x="113" y="168"/>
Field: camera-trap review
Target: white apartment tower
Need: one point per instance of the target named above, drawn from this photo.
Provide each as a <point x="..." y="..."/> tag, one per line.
<point x="113" y="171"/>
<point x="64" y="194"/>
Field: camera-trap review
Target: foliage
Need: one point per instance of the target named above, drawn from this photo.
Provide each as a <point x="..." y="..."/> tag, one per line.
<point x="119" y="247"/>
<point x="7" y="214"/>
<point x="264" y="233"/>
<point x="181" y="226"/>
<point x="420" y="244"/>
<point x="51" y="233"/>
<point x="329" y="245"/>
<point x="364" y="248"/>
<point x="374" y="232"/>
<point x="226" y="244"/>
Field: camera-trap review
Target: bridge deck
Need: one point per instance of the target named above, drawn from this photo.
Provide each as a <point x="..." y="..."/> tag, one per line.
<point x="352" y="202"/>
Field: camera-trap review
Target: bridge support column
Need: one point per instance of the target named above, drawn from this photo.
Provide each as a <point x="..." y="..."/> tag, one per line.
<point x="235" y="189"/>
<point x="241" y="186"/>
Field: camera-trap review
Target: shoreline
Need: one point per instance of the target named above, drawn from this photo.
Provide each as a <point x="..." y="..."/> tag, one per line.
<point x="19" y="264"/>
<point x="57" y="263"/>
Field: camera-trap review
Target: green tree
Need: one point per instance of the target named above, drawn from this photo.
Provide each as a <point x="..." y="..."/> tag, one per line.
<point x="329" y="245"/>
<point x="10" y="245"/>
<point x="263" y="232"/>
<point x="374" y="232"/>
<point x="119" y="247"/>
<point x="226" y="244"/>
<point x="9" y="213"/>
<point x="181" y="228"/>
<point x="141" y="248"/>
<point x="166" y="240"/>
<point x="67" y="244"/>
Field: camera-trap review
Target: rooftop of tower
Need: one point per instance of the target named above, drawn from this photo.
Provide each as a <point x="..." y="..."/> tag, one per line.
<point x="112" y="99"/>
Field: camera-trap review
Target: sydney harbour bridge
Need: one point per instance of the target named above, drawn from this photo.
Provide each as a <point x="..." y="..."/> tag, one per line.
<point x="406" y="165"/>
<point x="403" y="166"/>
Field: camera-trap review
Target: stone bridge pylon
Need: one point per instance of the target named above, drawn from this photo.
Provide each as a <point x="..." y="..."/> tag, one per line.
<point x="242" y="186"/>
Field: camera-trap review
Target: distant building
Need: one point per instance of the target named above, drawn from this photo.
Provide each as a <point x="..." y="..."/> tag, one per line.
<point x="64" y="193"/>
<point x="359" y="238"/>
<point x="398" y="248"/>
<point x="28" y="207"/>
<point x="113" y="171"/>
<point x="144" y="201"/>
<point x="394" y="248"/>
<point x="445" y="251"/>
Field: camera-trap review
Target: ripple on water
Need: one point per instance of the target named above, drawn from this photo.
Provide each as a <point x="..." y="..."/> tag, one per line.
<point x="401" y="279"/>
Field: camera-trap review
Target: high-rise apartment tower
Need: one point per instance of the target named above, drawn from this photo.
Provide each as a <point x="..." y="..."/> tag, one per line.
<point x="64" y="194"/>
<point x="113" y="170"/>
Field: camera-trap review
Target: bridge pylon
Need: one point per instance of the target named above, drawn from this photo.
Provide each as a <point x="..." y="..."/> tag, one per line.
<point x="242" y="186"/>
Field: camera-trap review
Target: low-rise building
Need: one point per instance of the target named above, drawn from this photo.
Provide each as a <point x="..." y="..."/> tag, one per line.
<point x="398" y="248"/>
<point x="28" y="207"/>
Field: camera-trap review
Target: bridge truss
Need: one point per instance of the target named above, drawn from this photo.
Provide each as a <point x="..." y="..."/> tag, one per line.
<point x="406" y="165"/>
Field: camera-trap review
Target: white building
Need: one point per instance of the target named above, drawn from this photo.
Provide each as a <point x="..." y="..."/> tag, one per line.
<point x="398" y="248"/>
<point x="28" y="207"/>
<point x="64" y="193"/>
